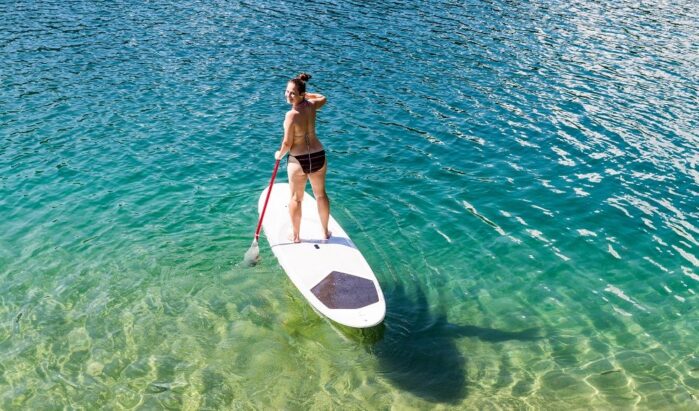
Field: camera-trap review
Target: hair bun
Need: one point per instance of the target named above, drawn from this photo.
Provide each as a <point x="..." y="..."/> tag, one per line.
<point x="304" y="77"/>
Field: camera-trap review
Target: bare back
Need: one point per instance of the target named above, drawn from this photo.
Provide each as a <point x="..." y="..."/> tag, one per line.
<point x="303" y="130"/>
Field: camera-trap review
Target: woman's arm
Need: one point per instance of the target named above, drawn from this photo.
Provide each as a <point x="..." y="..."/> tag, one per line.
<point x="288" y="139"/>
<point x="318" y="100"/>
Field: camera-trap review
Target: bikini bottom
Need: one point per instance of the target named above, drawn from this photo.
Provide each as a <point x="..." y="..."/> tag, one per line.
<point x="311" y="162"/>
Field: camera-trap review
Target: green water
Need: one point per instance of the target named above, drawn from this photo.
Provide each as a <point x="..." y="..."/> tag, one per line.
<point x="522" y="178"/>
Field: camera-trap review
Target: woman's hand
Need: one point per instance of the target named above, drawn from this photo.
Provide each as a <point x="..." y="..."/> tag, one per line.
<point x="278" y="155"/>
<point x="318" y="100"/>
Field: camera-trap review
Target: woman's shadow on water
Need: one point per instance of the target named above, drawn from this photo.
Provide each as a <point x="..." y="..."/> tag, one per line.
<point x="418" y="352"/>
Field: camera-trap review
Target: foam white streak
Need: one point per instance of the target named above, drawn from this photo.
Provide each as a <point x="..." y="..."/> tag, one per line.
<point x="579" y="191"/>
<point x="499" y="230"/>
<point x="483" y="218"/>
<point x="567" y="162"/>
<point x="619" y="293"/>
<point x="570" y="139"/>
<point x="672" y="191"/>
<point x="681" y="232"/>
<point x="649" y="176"/>
<point x="622" y="312"/>
<point x="614" y="203"/>
<point x="538" y="235"/>
<point x="644" y="206"/>
<point x="687" y="256"/>
<point x="695" y="175"/>
<point x="689" y="273"/>
<point x="655" y="263"/>
<point x="667" y="204"/>
<point x="468" y="137"/>
<point x="586" y="233"/>
<point x="686" y="224"/>
<point x="513" y="109"/>
<point x="616" y="152"/>
<point x="545" y="211"/>
<point x="648" y="223"/>
<point x="560" y="254"/>
<point x="547" y="183"/>
<point x="591" y="177"/>
<point x="434" y="140"/>
<point x="613" y="252"/>
<point x="659" y="240"/>
<point x="525" y="143"/>
<point x="446" y="237"/>
<point x="564" y="160"/>
<point x="516" y="166"/>
<point x="515" y="239"/>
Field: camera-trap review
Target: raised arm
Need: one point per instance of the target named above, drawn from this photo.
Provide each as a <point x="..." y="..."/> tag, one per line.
<point x="318" y="100"/>
<point x="288" y="139"/>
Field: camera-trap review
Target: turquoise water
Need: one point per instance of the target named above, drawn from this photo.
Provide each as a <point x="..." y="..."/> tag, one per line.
<point x="522" y="177"/>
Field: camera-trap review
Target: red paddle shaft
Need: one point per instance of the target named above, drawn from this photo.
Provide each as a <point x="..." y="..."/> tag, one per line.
<point x="264" y="208"/>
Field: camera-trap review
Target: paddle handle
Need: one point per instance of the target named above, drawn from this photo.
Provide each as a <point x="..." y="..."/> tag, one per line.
<point x="264" y="208"/>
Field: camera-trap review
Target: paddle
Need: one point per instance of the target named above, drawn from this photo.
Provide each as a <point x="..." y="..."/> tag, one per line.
<point x="252" y="256"/>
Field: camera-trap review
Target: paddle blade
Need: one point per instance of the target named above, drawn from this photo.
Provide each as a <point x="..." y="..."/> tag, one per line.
<point x="252" y="256"/>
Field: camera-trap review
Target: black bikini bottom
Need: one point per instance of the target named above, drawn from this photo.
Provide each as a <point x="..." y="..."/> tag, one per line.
<point x="312" y="162"/>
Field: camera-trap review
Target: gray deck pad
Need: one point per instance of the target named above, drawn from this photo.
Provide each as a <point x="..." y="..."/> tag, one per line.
<point x="342" y="290"/>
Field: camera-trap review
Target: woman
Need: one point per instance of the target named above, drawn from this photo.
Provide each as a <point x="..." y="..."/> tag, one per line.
<point x="306" y="154"/>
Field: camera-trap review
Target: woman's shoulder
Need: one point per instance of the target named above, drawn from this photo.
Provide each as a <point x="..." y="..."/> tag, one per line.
<point x="292" y="113"/>
<point x="291" y="117"/>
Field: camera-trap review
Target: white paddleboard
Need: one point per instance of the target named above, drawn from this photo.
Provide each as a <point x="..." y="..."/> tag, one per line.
<point x="331" y="274"/>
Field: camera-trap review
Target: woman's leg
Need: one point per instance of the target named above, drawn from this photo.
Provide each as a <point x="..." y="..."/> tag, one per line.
<point x="297" y="184"/>
<point x="318" y="185"/>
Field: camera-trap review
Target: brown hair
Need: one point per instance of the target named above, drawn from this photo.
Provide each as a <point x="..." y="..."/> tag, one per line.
<point x="300" y="82"/>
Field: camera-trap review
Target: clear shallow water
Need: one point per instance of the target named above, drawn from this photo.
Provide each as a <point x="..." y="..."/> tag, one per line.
<point x="522" y="178"/>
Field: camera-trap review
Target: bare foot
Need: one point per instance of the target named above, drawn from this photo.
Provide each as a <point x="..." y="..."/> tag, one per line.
<point x="328" y="234"/>
<point x="294" y="238"/>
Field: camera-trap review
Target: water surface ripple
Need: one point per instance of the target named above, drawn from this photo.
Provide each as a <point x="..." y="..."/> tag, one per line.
<point x="522" y="176"/>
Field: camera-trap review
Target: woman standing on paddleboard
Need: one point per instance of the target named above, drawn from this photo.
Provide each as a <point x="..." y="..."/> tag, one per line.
<point x="306" y="154"/>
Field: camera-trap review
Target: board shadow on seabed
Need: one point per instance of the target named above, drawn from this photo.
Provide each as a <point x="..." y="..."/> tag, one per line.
<point x="416" y="348"/>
